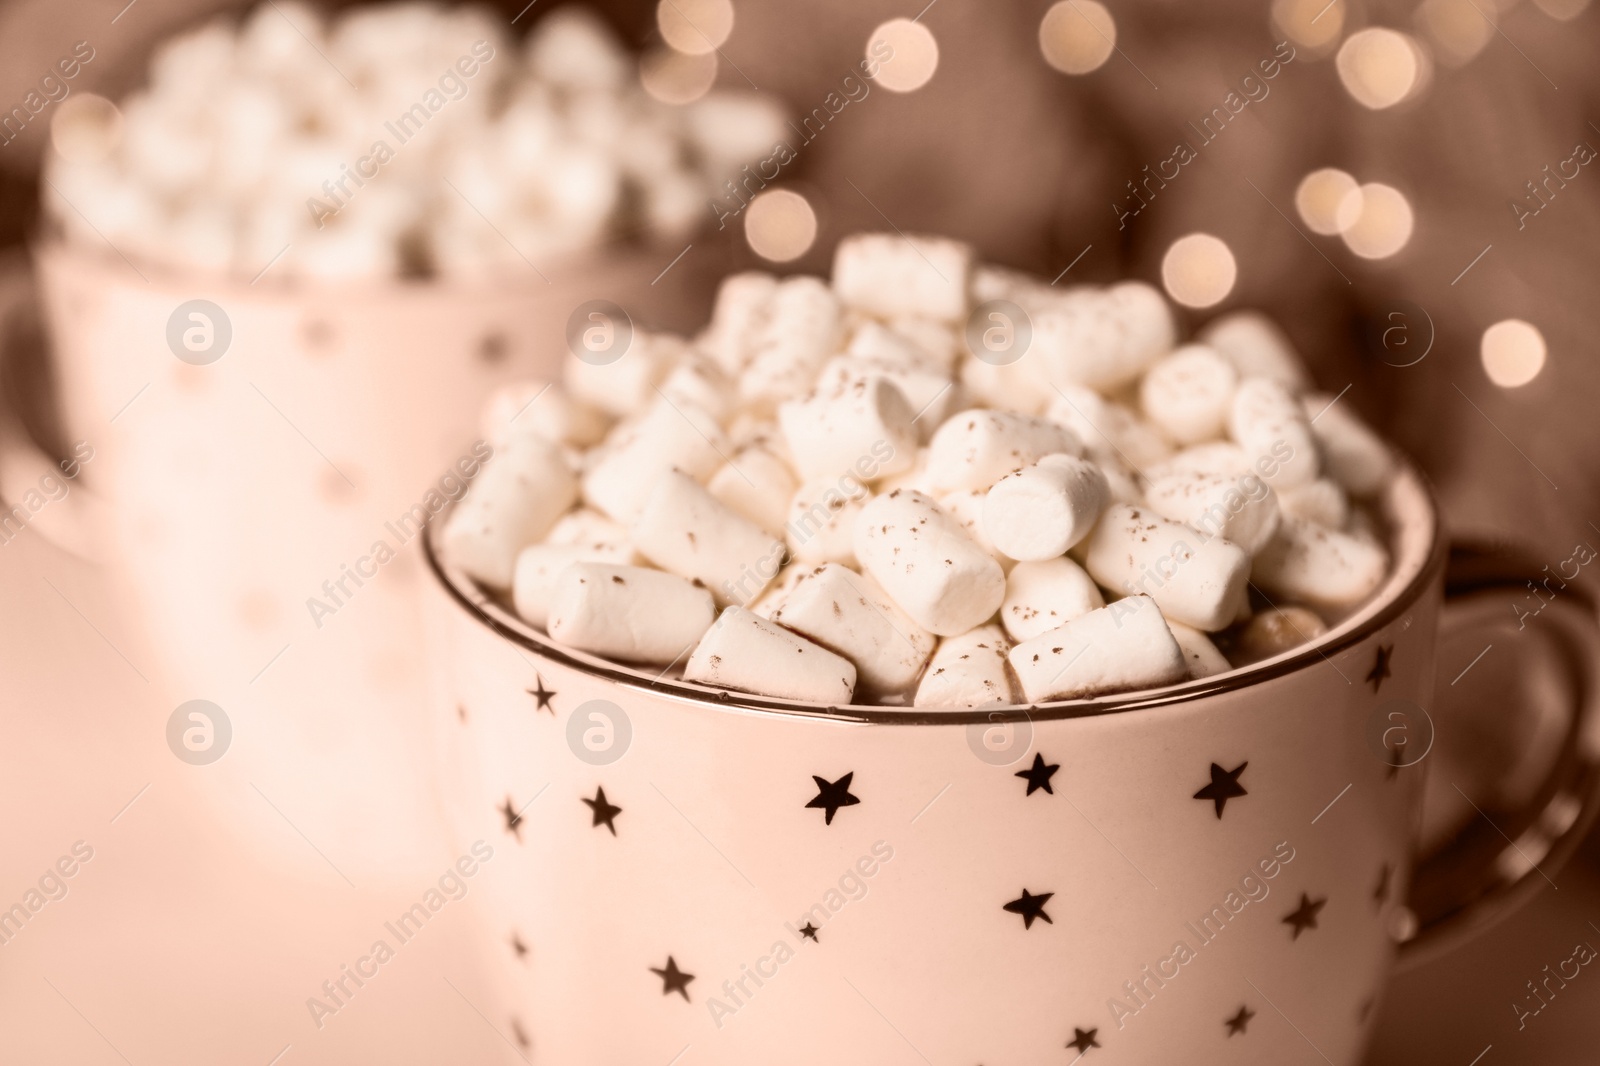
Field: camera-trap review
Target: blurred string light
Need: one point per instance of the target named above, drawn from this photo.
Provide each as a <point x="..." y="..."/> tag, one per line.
<point x="1458" y="29"/>
<point x="1513" y="352"/>
<point x="1319" y="197"/>
<point x="914" y="59"/>
<point x="85" y="128"/>
<point x="1380" y="67"/>
<point x="1375" y="220"/>
<point x="695" y="27"/>
<point x="1077" y="36"/>
<point x="1199" y="270"/>
<point x="675" y="77"/>
<point x="780" y="225"/>
<point x="1563" y="10"/>
<point x="1311" y="24"/>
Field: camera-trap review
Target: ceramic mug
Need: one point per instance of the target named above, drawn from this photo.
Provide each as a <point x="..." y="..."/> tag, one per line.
<point x="264" y="458"/>
<point x="1212" y="872"/>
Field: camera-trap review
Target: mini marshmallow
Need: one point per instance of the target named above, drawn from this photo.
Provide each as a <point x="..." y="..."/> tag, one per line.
<point x="1103" y="340"/>
<point x="758" y="485"/>
<point x="822" y="521"/>
<point x="772" y="600"/>
<point x="685" y="530"/>
<point x="517" y="497"/>
<point x="927" y="564"/>
<point x="1214" y="457"/>
<point x="627" y="384"/>
<point x="1040" y="511"/>
<point x="1195" y="579"/>
<point x="544" y="409"/>
<point x="863" y="427"/>
<point x="801" y="330"/>
<point x="1188" y="393"/>
<point x="630" y="613"/>
<point x="976" y="448"/>
<point x="929" y="393"/>
<point x="1321" y="501"/>
<point x="1320" y="566"/>
<point x="1045" y="595"/>
<point x="746" y="653"/>
<point x="668" y="436"/>
<point x="1277" y="630"/>
<point x="1202" y="656"/>
<point x="1268" y="424"/>
<point x="1109" y="431"/>
<point x="1019" y="386"/>
<point x="874" y="342"/>
<point x="966" y="507"/>
<point x="533" y="585"/>
<point x="967" y="671"/>
<point x="847" y="613"/>
<point x="699" y="381"/>
<point x="1354" y="456"/>
<point x="1149" y="330"/>
<point x="915" y="478"/>
<point x="887" y="275"/>
<point x="1124" y="646"/>
<point x="742" y="304"/>
<point x="583" y="526"/>
<point x="1240" y="509"/>
<point x="935" y="340"/>
<point x="1256" y="347"/>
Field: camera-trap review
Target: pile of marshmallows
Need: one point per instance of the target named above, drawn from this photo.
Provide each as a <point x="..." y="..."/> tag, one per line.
<point x="881" y="515"/>
<point x="255" y="138"/>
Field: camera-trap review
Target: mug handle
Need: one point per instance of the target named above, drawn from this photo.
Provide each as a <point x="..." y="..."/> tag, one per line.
<point x="1545" y="634"/>
<point x="30" y="428"/>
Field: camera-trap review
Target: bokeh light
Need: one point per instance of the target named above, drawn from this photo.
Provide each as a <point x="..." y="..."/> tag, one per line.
<point x="85" y="128"/>
<point x="675" y="77"/>
<point x="1563" y="10"/>
<point x="1513" y="352"/>
<point x="1319" y="197"/>
<point x="780" y="225"/>
<point x="1311" y="24"/>
<point x="1077" y="36"/>
<point x="1379" y="67"/>
<point x="1375" y="220"/>
<point x="913" y="59"/>
<point x="1199" y="270"/>
<point x="1459" y="29"/>
<point x="695" y="27"/>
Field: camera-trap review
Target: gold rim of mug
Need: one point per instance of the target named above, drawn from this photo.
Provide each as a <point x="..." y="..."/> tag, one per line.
<point x="466" y="594"/>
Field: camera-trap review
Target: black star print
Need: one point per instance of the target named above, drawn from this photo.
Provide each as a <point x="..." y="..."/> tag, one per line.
<point x="604" y="813"/>
<point x="809" y="931"/>
<point x="1380" y="668"/>
<point x="1030" y="907"/>
<point x="543" y="695"/>
<point x="1039" y="774"/>
<point x="833" y="795"/>
<point x="518" y="946"/>
<point x="1224" y="786"/>
<point x="513" y="819"/>
<point x="1381" y="893"/>
<point x="1083" y="1040"/>
<point x="673" y="979"/>
<point x="1237" y="1023"/>
<point x="516" y="1031"/>
<point x="1304" y="916"/>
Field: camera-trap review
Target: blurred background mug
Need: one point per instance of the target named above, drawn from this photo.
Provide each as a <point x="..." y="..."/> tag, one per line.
<point x="1219" y="871"/>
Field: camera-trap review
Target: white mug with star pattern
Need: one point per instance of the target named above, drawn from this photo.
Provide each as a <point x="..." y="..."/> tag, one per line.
<point x="1223" y="871"/>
